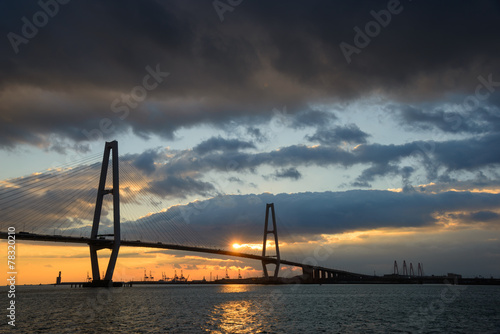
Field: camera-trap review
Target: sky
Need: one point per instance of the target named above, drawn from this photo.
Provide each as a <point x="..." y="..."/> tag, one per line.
<point x="373" y="126"/>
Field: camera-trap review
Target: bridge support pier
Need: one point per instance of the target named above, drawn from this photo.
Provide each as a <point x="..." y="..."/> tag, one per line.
<point x="270" y="206"/>
<point x="307" y="274"/>
<point x="97" y="240"/>
<point x="317" y="275"/>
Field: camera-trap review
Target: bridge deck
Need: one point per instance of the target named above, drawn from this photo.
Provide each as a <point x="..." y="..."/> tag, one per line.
<point x="107" y="243"/>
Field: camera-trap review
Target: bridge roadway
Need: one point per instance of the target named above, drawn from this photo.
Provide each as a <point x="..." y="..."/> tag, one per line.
<point x="314" y="271"/>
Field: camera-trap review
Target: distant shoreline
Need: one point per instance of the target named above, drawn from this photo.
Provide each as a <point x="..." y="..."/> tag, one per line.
<point x="388" y="279"/>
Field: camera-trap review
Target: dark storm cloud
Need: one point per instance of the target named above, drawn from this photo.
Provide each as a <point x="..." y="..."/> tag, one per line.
<point x="170" y="171"/>
<point x="479" y="120"/>
<point x="238" y="215"/>
<point x="262" y="56"/>
<point x="480" y="216"/>
<point x="293" y="155"/>
<point x="349" y="133"/>
<point x="289" y="173"/>
<point x="242" y="216"/>
<point x="438" y="158"/>
<point x="445" y="121"/>
<point x="484" y="216"/>
<point x="479" y="181"/>
<point x="468" y="154"/>
<point x="221" y="144"/>
<point x="179" y="187"/>
<point x="146" y="161"/>
<point x="256" y="133"/>
<point x="235" y="180"/>
<point x="376" y="170"/>
<point x="309" y="118"/>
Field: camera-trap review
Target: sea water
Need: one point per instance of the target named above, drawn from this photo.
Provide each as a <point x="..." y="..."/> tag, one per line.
<point x="256" y="309"/>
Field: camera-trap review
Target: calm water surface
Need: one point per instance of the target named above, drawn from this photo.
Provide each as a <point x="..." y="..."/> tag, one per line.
<point x="257" y="309"/>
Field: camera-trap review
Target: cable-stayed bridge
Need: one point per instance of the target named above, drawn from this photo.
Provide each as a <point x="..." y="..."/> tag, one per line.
<point x="62" y="205"/>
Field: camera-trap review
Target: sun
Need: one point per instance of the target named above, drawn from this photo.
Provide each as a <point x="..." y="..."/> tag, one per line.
<point x="247" y="246"/>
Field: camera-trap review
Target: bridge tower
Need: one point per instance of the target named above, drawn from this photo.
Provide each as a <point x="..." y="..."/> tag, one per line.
<point x="97" y="242"/>
<point x="270" y="206"/>
<point x="420" y="270"/>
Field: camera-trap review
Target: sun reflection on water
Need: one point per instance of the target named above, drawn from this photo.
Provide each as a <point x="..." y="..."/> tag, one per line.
<point x="234" y="288"/>
<point x="236" y="316"/>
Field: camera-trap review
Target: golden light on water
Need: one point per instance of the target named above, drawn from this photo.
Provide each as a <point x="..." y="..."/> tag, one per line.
<point x="236" y="316"/>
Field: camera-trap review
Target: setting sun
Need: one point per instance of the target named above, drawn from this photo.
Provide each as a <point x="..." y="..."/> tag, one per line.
<point x="248" y="246"/>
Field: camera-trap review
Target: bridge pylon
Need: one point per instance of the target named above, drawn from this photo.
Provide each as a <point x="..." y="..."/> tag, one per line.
<point x="98" y="240"/>
<point x="270" y="206"/>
